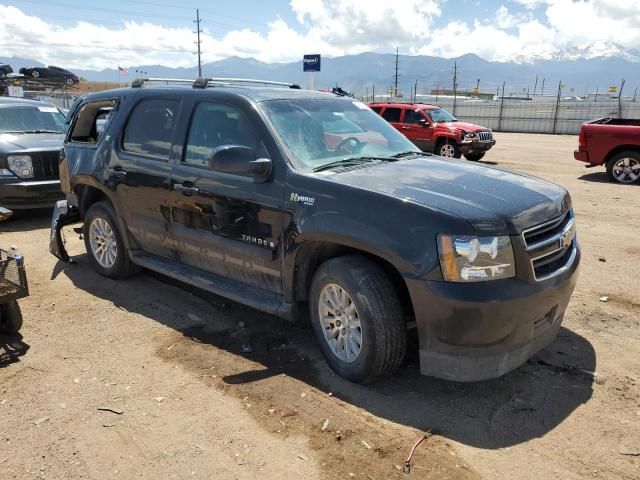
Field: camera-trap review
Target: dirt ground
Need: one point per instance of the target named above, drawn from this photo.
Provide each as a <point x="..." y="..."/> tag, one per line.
<point x="188" y="403"/>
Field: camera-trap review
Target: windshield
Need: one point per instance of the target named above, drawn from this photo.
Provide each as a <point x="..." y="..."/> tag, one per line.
<point x="438" y="115"/>
<point x="27" y="118"/>
<point x="321" y="131"/>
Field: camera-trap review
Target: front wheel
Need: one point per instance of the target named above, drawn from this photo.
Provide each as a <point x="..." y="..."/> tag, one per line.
<point x="103" y="241"/>
<point x="10" y="317"/>
<point x="474" y="157"/>
<point x="35" y="74"/>
<point x="624" y="167"/>
<point x="357" y="318"/>
<point x="448" y="149"/>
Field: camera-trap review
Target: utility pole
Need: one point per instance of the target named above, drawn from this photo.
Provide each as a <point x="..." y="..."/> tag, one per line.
<point x="620" y="99"/>
<point x="535" y="86"/>
<point x="395" y="89"/>
<point x="542" y="90"/>
<point x="455" y="85"/>
<point x="477" y="85"/>
<point x="198" y="42"/>
<point x="373" y="92"/>
<point x="415" y="92"/>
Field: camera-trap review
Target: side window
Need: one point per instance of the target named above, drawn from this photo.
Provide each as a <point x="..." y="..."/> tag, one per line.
<point x="413" y="116"/>
<point x="213" y="125"/>
<point x="91" y="120"/>
<point x="150" y="127"/>
<point x="377" y="109"/>
<point x="391" y="114"/>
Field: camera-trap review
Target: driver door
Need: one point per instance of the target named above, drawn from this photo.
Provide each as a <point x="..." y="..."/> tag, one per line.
<point x="417" y="128"/>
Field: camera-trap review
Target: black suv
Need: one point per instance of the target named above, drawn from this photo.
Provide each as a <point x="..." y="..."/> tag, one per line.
<point x="286" y="200"/>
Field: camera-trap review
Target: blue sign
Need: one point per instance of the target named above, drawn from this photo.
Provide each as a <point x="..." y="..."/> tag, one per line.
<point x="311" y="63"/>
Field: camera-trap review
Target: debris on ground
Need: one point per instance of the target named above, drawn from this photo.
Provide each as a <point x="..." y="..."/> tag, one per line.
<point x="41" y="420"/>
<point x="325" y="425"/>
<point x="107" y="425"/>
<point x="159" y="399"/>
<point x="604" y="298"/>
<point x="629" y="451"/>
<point x="407" y="463"/>
<point x="366" y="444"/>
<point x="602" y="259"/>
<point x="303" y="457"/>
<point x="117" y="411"/>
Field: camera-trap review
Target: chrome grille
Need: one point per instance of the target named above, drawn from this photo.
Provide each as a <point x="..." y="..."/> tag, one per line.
<point x="551" y="246"/>
<point x="485" y="136"/>
<point x="45" y="165"/>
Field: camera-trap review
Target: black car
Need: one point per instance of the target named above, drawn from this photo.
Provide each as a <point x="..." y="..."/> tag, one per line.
<point x="5" y="70"/>
<point x="31" y="137"/>
<point x="51" y="73"/>
<point x="248" y="192"/>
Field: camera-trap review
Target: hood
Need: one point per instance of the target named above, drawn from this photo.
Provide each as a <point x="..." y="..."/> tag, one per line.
<point x="492" y="200"/>
<point x="459" y="126"/>
<point x="24" y="142"/>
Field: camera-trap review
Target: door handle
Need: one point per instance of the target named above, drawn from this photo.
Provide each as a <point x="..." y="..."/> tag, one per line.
<point x="187" y="189"/>
<point x="117" y="173"/>
<point x="404" y="128"/>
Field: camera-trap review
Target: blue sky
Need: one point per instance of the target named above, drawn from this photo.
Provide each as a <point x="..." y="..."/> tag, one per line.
<point x="101" y="33"/>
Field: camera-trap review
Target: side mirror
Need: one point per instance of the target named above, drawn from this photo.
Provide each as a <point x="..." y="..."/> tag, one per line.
<point x="240" y="160"/>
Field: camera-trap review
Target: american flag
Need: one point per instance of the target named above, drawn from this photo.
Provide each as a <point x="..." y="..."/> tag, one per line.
<point x="123" y="70"/>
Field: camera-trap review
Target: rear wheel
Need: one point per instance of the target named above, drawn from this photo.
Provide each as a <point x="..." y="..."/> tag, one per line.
<point x="448" y="149"/>
<point x="104" y="244"/>
<point x="10" y="317"/>
<point x="357" y="318"/>
<point x="474" y="157"/>
<point x="35" y="74"/>
<point x="624" y="167"/>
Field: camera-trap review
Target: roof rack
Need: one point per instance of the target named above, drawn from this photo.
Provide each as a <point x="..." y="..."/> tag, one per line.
<point x="215" y="81"/>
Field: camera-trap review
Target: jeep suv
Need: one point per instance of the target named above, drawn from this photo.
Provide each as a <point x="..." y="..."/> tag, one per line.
<point x="287" y="200"/>
<point x="433" y="129"/>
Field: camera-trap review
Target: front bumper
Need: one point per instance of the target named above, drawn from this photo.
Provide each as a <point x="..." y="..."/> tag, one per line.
<point x="16" y="194"/>
<point x="63" y="214"/>
<point x="477" y="331"/>
<point x="476" y="146"/>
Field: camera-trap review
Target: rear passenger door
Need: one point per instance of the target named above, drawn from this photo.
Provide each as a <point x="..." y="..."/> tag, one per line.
<point x="140" y="172"/>
<point x="225" y="224"/>
<point x="392" y="115"/>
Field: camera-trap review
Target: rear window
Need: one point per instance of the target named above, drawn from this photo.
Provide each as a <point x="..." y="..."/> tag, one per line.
<point x="392" y="114"/>
<point x="150" y="128"/>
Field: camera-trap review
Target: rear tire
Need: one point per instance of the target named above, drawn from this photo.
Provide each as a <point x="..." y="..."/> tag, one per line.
<point x="448" y="149"/>
<point x="474" y="157"/>
<point x="10" y="317"/>
<point x="35" y="74"/>
<point x="370" y="313"/>
<point x="624" y="167"/>
<point x="106" y="249"/>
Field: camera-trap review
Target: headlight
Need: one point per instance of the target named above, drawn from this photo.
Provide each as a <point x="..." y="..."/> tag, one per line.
<point x="475" y="259"/>
<point x="20" y="165"/>
<point x="469" y="136"/>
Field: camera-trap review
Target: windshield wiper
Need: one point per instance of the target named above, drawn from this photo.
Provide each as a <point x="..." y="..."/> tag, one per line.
<point x="351" y="161"/>
<point x="411" y="153"/>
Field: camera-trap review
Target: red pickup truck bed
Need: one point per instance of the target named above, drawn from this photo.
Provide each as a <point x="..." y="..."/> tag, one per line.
<point x="613" y="142"/>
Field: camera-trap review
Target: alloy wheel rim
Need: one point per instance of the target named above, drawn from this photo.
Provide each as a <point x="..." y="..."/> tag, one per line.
<point x="447" y="150"/>
<point x="626" y="170"/>
<point x="103" y="243"/>
<point x="340" y="323"/>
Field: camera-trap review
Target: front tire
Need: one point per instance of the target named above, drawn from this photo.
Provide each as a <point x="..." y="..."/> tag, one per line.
<point x="448" y="149"/>
<point x="624" y="167"/>
<point x="10" y="317"/>
<point x="357" y="318"/>
<point x="102" y="238"/>
<point x="474" y="157"/>
<point x="35" y="74"/>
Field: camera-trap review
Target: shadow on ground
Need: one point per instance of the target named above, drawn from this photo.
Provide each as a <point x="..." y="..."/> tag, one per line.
<point x="12" y="347"/>
<point x="27" y="220"/>
<point x="526" y="403"/>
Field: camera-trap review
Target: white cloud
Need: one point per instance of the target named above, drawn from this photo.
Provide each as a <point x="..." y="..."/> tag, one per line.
<point x="331" y="27"/>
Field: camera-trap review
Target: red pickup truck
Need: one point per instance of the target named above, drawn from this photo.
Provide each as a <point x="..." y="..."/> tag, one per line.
<point x="613" y="142"/>
<point x="433" y="129"/>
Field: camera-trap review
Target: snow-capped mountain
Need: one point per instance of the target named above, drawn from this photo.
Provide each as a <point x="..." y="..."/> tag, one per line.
<point x="601" y="49"/>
